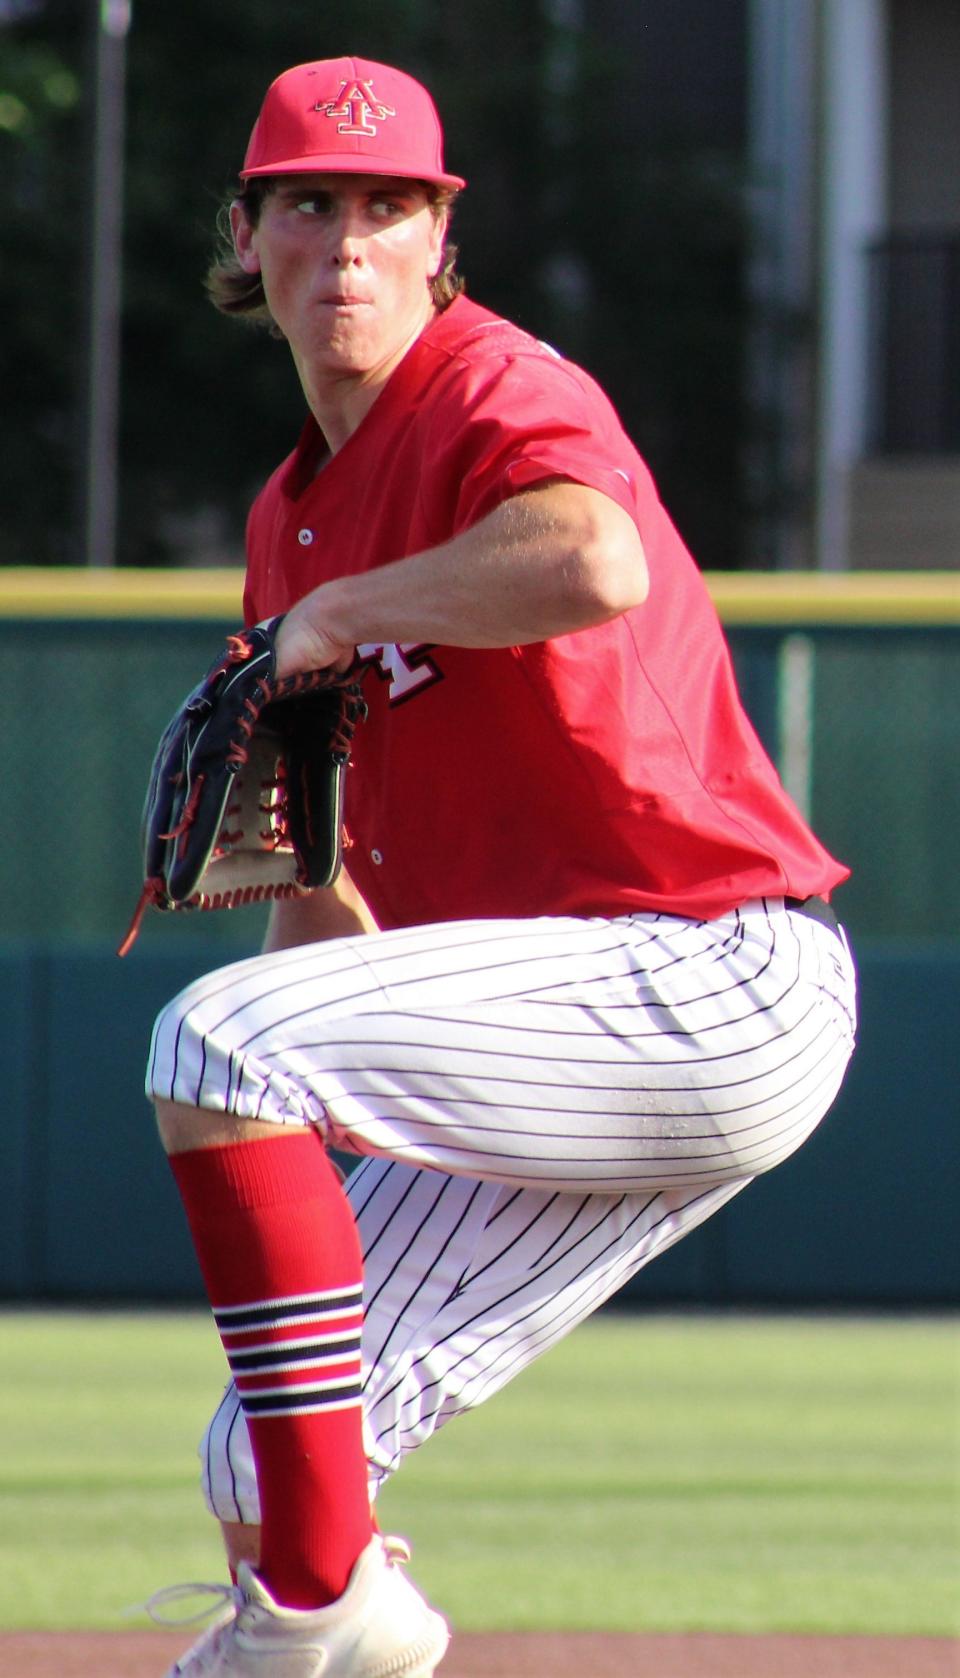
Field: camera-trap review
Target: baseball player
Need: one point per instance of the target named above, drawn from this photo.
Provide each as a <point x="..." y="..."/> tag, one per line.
<point x="579" y="982"/>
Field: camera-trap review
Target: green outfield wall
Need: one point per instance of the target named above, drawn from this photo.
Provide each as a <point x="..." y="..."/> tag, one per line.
<point x="854" y="684"/>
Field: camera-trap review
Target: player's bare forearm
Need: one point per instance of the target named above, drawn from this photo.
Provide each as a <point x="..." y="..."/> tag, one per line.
<point x="336" y="911"/>
<point x="552" y="560"/>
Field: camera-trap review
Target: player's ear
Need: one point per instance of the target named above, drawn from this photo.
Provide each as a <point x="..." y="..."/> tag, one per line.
<point x="243" y="233"/>
<point x="441" y="221"/>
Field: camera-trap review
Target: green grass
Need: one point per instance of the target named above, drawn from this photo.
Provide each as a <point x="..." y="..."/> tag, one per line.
<point x="665" y="1473"/>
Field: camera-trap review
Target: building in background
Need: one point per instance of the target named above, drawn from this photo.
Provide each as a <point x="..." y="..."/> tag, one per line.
<point x="742" y="215"/>
<point x="855" y="185"/>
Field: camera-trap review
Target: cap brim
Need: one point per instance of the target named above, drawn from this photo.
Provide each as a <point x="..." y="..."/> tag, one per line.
<point x="337" y="163"/>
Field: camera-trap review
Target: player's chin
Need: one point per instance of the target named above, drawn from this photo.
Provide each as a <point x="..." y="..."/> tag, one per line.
<point x="348" y="326"/>
<point x="342" y="351"/>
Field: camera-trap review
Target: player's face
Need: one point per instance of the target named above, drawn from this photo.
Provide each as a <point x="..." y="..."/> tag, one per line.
<point x="345" y="262"/>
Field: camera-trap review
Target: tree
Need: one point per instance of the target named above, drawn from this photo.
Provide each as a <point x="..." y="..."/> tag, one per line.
<point x="619" y="241"/>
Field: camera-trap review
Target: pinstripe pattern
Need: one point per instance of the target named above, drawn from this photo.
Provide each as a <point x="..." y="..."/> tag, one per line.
<point x="485" y="1279"/>
<point x="603" y="1055"/>
<point x="551" y="1104"/>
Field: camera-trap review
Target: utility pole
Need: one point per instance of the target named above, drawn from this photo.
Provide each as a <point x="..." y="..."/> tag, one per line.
<point x="110" y="25"/>
<point x="781" y="341"/>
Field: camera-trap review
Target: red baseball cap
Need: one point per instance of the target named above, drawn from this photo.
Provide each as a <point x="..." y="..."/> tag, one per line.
<point x="347" y="116"/>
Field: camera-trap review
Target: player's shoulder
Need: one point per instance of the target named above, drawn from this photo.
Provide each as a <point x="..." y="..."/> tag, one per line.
<point x="472" y="349"/>
<point x="468" y="334"/>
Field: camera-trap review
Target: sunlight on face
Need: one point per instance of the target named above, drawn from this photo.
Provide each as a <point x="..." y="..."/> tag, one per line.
<point x="346" y="262"/>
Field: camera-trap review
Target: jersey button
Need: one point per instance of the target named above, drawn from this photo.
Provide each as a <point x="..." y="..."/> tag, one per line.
<point x="377" y="857"/>
<point x="304" y="537"/>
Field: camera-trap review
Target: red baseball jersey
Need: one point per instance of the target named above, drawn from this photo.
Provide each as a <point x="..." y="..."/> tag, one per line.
<point x="598" y="772"/>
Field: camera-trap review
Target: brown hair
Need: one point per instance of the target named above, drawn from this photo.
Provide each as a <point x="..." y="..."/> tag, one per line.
<point x="235" y="292"/>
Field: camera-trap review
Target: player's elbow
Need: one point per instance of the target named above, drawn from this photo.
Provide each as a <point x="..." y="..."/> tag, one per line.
<point x="613" y="567"/>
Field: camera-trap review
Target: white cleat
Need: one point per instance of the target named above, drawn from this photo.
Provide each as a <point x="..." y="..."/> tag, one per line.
<point x="196" y="1660"/>
<point x="380" y="1628"/>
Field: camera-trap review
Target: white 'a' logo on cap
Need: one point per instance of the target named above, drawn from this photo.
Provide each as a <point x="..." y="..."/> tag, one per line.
<point x="358" y="108"/>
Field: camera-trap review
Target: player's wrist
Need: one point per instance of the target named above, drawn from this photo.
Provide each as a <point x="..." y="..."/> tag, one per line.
<point x="306" y="640"/>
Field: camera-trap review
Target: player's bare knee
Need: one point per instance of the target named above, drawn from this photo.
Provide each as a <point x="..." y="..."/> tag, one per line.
<point x="182" y="1127"/>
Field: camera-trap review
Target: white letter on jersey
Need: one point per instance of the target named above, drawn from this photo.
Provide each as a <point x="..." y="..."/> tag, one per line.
<point x="405" y="666"/>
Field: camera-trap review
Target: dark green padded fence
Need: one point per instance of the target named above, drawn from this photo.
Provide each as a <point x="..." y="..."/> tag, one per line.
<point x="866" y="1213"/>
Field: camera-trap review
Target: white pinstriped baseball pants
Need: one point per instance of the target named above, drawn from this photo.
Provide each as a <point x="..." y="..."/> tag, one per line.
<point x="548" y="1105"/>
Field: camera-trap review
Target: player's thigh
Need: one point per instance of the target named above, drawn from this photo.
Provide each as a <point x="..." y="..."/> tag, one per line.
<point x="562" y="1053"/>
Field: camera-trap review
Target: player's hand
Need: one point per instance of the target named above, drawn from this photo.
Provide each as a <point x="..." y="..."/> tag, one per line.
<point x="304" y="644"/>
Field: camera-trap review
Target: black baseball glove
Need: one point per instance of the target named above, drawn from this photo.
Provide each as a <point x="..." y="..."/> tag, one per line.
<point x="245" y="799"/>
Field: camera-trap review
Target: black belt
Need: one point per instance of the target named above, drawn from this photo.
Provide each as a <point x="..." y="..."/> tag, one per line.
<point x="816" y="908"/>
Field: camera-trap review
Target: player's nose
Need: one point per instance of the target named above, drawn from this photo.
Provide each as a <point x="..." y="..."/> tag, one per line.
<point x="348" y="242"/>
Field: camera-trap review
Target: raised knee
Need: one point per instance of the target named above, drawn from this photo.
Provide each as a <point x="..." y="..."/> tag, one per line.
<point x="182" y="1128"/>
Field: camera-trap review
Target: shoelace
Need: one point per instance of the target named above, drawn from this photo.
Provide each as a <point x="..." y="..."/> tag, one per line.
<point x="397" y="1550"/>
<point x="222" y="1595"/>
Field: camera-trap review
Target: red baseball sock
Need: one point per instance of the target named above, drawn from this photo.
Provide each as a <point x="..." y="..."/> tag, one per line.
<point x="278" y="1248"/>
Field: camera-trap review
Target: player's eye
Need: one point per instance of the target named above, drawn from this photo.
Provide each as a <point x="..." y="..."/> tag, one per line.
<point x="389" y="206"/>
<point x="318" y="205"/>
